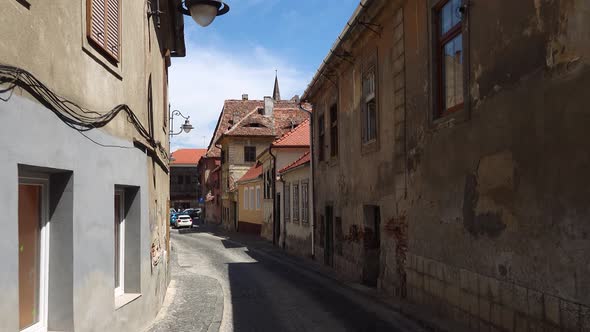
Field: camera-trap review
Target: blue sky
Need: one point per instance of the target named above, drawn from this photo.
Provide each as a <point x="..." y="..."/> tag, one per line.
<point x="239" y="52"/>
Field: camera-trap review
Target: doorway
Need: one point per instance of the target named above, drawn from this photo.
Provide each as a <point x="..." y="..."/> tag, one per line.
<point x="33" y="256"/>
<point x="372" y="245"/>
<point x="234" y="211"/>
<point x="329" y="234"/>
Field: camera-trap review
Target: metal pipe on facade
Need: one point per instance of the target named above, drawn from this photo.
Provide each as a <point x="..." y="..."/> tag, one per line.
<point x="312" y="181"/>
<point x="274" y="194"/>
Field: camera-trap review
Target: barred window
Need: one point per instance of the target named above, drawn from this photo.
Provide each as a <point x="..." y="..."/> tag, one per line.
<point x="295" y="202"/>
<point x="287" y="203"/>
<point x="305" y="202"/>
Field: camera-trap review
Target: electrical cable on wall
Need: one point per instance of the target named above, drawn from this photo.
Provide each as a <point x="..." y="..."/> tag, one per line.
<point x="73" y="115"/>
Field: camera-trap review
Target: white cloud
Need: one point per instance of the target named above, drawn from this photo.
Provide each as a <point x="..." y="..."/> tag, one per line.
<point x="200" y="82"/>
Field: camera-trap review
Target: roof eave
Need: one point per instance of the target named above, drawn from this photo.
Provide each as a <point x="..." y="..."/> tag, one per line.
<point x="289" y="170"/>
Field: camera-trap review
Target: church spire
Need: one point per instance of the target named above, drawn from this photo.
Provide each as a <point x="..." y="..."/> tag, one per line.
<point x="276" y="94"/>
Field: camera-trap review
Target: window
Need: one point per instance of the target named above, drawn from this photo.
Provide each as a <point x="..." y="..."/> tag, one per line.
<point x="321" y="141"/>
<point x="449" y="48"/>
<point x="187" y="179"/>
<point x="222" y="156"/>
<point x="334" y="130"/>
<point x="181" y="179"/>
<point x="33" y="255"/>
<point x="252" y="198"/>
<point x="119" y="242"/>
<point x="305" y="202"/>
<point x="249" y="153"/>
<point x="369" y="107"/>
<point x="246" y="198"/>
<point x="103" y="27"/>
<point x="287" y="202"/>
<point x="295" y="202"/>
<point x="267" y="185"/>
<point x="258" y="198"/>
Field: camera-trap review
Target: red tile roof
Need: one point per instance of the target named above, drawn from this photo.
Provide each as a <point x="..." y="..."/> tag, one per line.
<point x="241" y="118"/>
<point x="253" y="173"/>
<point x="304" y="159"/>
<point x="187" y="156"/>
<point x="295" y="138"/>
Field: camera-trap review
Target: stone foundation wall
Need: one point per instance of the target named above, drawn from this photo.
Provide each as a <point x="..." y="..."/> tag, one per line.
<point x="488" y="304"/>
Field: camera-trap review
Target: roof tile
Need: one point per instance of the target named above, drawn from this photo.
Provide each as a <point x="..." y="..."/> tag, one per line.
<point x="187" y="156"/>
<point x="304" y="159"/>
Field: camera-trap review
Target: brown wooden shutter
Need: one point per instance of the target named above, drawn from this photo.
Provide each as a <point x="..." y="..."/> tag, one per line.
<point x="96" y="20"/>
<point x="113" y="28"/>
<point x="103" y="28"/>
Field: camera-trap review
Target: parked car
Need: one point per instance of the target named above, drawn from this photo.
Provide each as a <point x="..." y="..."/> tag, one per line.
<point x="173" y="217"/>
<point x="172" y="210"/>
<point x="195" y="214"/>
<point x="183" y="220"/>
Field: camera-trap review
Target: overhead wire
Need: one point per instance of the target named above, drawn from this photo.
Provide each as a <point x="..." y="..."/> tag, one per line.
<point x="73" y="115"/>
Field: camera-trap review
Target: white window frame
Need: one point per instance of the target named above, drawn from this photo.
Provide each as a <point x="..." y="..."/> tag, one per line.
<point x="246" y="196"/>
<point x="121" y="289"/>
<point x="258" y="197"/>
<point x="251" y="198"/>
<point x="43" y="182"/>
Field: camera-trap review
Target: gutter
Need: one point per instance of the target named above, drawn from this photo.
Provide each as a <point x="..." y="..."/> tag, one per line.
<point x="343" y="35"/>
<point x="312" y="181"/>
<point x="274" y="194"/>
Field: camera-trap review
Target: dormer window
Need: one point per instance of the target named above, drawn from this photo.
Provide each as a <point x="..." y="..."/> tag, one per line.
<point x="254" y="125"/>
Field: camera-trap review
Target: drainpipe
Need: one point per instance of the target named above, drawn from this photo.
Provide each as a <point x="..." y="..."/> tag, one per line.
<point x="284" y="243"/>
<point x="274" y="196"/>
<point x="220" y="184"/>
<point x="312" y="181"/>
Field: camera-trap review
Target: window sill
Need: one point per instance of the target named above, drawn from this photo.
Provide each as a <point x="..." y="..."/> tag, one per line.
<point x="370" y="147"/>
<point x="25" y="3"/>
<point x="334" y="161"/>
<point x="125" y="299"/>
<point x="449" y="121"/>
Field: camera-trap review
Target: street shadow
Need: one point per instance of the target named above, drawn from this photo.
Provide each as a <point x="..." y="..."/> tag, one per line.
<point x="191" y="230"/>
<point x="266" y="292"/>
<point x="264" y="298"/>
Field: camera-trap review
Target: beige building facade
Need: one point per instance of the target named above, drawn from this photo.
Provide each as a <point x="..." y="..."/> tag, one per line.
<point x="297" y="206"/>
<point x="250" y="215"/>
<point x="88" y="88"/>
<point x="444" y="142"/>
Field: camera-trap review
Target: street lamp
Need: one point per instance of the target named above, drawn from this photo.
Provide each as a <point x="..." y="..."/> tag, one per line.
<point x="186" y="127"/>
<point x="204" y="11"/>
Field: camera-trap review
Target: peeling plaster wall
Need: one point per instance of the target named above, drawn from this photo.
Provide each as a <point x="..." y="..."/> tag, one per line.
<point x="361" y="174"/>
<point x="485" y="220"/>
<point x="502" y="193"/>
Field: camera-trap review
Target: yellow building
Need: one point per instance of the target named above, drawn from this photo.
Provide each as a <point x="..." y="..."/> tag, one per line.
<point x="250" y="216"/>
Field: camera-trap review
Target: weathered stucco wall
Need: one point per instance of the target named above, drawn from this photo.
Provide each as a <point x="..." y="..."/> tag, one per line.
<point x="500" y="196"/>
<point x="246" y="214"/>
<point x="296" y="234"/>
<point x="482" y="212"/>
<point x="49" y="40"/>
<point x="361" y="175"/>
<point x="234" y="168"/>
<point x="91" y="216"/>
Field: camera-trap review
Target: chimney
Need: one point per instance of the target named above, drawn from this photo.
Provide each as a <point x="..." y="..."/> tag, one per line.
<point x="269" y="105"/>
<point x="245" y="96"/>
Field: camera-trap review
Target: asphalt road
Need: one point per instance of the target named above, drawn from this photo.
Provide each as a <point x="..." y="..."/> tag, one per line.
<point x="220" y="284"/>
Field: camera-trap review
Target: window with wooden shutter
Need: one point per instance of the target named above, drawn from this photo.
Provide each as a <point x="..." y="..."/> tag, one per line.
<point x="104" y="26"/>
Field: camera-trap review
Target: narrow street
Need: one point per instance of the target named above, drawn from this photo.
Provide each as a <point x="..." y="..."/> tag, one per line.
<point x="219" y="284"/>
